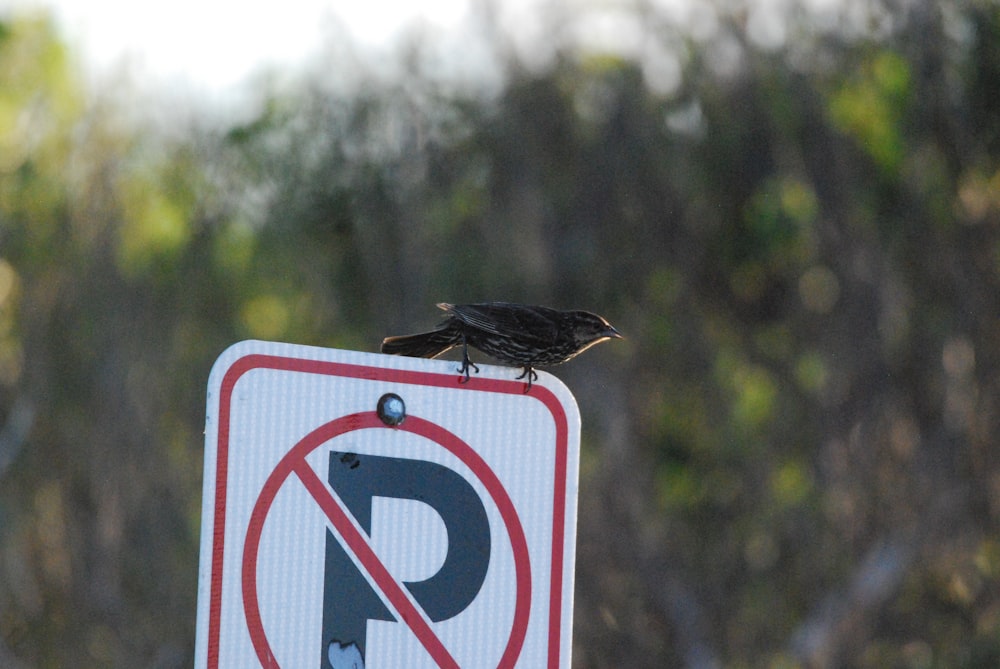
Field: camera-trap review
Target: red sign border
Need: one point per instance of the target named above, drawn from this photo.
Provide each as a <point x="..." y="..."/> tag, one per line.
<point x="252" y="361"/>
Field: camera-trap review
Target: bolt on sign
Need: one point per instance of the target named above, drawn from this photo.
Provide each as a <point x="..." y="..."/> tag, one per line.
<point x="366" y="510"/>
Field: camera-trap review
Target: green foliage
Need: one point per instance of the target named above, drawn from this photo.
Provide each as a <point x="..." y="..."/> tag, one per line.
<point x="871" y="105"/>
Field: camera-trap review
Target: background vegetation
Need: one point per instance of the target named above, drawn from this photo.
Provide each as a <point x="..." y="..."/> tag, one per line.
<point x="790" y="462"/>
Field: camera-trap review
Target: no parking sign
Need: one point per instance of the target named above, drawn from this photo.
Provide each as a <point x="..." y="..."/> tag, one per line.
<point x="363" y="510"/>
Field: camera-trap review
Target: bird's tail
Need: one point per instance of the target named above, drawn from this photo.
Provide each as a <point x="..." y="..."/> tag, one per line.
<point x="425" y="344"/>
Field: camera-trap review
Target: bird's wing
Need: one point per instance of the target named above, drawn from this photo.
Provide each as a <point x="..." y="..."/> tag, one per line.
<point x="503" y="318"/>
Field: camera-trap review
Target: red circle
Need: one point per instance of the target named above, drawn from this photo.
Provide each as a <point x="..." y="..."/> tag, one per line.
<point x="295" y="458"/>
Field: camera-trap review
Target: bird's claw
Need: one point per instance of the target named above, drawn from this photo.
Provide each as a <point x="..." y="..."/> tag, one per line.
<point x="464" y="368"/>
<point x="531" y="375"/>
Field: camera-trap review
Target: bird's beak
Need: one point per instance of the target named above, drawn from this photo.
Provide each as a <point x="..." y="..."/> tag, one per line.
<point x="613" y="333"/>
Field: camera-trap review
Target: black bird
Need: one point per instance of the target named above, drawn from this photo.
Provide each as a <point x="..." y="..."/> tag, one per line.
<point x="519" y="334"/>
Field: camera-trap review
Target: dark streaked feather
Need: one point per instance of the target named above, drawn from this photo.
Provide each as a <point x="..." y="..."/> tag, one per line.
<point x="424" y="344"/>
<point x="538" y="324"/>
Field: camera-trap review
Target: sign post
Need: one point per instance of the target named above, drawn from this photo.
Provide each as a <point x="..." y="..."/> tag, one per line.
<point x="364" y="510"/>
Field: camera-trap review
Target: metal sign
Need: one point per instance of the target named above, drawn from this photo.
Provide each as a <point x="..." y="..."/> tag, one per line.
<point x="363" y="510"/>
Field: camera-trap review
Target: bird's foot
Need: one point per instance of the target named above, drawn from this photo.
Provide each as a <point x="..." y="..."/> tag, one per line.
<point x="465" y="366"/>
<point x="530" y="374"/>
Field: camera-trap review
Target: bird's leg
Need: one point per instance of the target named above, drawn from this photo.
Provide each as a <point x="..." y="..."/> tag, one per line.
<point x="466" y="363"/>
<point x="530" y="374"/>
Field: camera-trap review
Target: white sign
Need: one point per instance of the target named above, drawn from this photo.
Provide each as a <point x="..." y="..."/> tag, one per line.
<point x="364" y="510"/>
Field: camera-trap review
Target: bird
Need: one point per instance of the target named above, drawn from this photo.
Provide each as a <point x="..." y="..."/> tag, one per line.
<point x="523" y="335"/>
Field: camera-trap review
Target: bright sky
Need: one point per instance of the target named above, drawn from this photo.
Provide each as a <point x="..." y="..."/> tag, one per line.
<point x="210" y="47"/>
<point x="214" y="45"/>
<point x="218" y="43"/>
